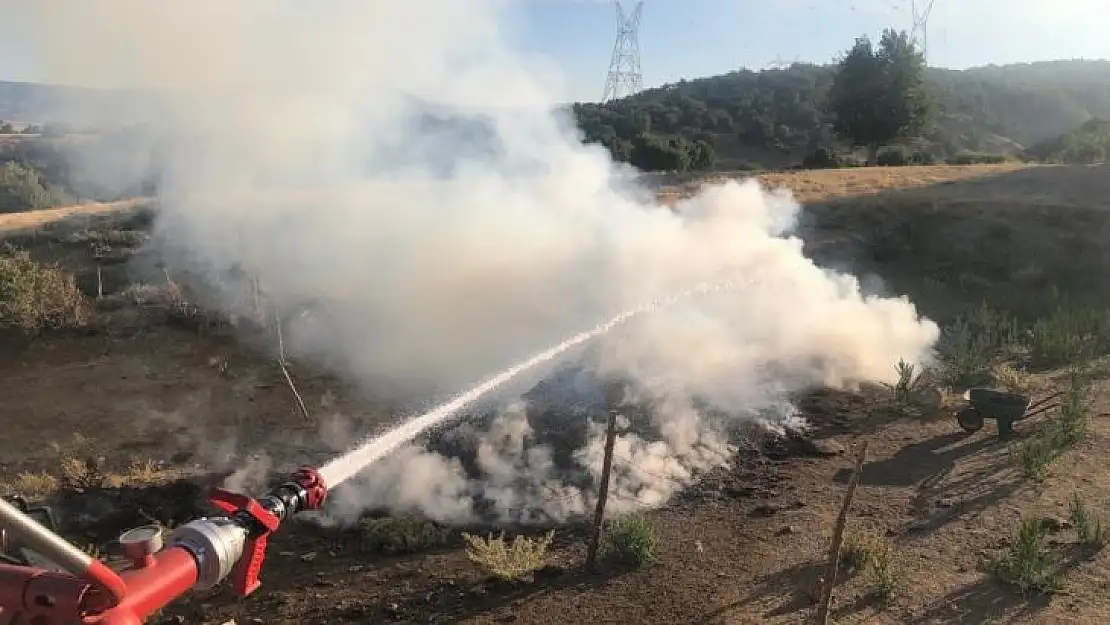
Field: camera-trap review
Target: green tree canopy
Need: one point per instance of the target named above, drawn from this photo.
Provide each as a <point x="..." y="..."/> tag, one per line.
<point x="879" y="96"/>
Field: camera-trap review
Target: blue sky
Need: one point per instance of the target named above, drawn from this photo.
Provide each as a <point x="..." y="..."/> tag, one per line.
<point x="691" y="38"/>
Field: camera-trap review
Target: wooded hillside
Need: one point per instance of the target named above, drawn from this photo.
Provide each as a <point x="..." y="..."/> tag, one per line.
<point x="774" y="118"/>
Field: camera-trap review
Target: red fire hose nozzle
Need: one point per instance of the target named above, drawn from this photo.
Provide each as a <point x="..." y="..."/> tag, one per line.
<point x="305" y="491"/>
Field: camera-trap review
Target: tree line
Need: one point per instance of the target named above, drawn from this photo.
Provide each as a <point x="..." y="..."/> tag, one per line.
<point x="807" y="114"/>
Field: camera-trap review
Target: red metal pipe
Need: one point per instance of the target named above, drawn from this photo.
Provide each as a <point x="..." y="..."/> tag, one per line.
<point x="106" y="580"/>
<point x="52" y="598"/>
<point x="151" y="588"/>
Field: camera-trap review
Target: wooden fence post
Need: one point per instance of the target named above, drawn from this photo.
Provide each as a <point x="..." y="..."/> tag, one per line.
<point x="833" y="563"/>
<point x="602" y="491"/>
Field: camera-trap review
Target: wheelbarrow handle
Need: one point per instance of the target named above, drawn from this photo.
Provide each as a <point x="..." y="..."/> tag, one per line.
<point x="1042" y="401"/>
<point x="1040" y="410"/>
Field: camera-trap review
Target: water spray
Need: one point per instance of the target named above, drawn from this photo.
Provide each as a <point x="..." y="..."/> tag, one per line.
<point x="198" y="555"/>
<point x="76" y="588"/>
<point x="350" y="464"/>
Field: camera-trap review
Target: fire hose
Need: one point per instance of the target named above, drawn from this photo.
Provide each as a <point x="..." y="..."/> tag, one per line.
<point x="196" y="556"/>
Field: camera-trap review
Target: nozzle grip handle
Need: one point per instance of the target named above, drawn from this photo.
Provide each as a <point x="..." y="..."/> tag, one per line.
<point x="248" y="568"/>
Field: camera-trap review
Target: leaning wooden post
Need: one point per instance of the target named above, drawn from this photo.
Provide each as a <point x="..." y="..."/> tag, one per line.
<point x="833" y="563"/>
<point x="602" y="491"/>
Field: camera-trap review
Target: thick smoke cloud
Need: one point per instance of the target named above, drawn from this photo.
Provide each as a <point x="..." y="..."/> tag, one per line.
<point x="395" y="168"/>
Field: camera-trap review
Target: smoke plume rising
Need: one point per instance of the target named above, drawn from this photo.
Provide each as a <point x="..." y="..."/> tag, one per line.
<point x="396" y="168"/>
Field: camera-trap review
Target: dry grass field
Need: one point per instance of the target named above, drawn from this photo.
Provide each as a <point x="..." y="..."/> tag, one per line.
<point x="118" y="391"/>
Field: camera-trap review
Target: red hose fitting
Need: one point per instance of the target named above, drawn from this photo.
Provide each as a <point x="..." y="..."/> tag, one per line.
<point x="316" y="490"/>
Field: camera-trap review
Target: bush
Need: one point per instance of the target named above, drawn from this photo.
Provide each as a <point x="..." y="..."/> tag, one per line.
<point x="977" y="158"/>
<point x="35" y="297"/>
<point x="1028" y="566"/>
<point x="1063" y="431"/>
<point x="1089" y="529"/>
<point x="399" y="535"/>
<point x="821" y="158"/>
<point x="972" y="343"/>
<point x="858" y="551"/>
<point x="514" y="561"/>
<point x="1068" y="334"/>
<point x="631" y="541"/>
<point x="23" y="189"/>
<point x="893" y="158"/>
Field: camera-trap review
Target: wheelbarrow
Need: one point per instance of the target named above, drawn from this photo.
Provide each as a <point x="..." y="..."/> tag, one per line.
<point x="1004" y="408"/>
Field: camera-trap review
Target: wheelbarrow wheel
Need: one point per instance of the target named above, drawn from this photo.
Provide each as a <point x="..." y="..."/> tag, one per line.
<point x="970" y="420"/>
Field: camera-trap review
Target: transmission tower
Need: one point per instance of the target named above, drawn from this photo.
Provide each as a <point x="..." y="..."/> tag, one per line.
<point x="624" y="77"/>
<point x="920" y="10"/>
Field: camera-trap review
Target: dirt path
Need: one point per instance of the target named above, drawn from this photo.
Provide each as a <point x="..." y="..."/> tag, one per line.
<point x="31" y="221"/>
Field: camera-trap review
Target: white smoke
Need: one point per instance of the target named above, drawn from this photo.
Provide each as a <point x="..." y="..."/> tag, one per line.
<point x="293" y="145"/>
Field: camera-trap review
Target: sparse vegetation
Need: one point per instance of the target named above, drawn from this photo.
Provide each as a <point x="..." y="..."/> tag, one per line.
<point x="1028" y="565"/>
<point x="868" y="553"/>
<point x="1089" y="529"/>
<point x="515" y="561"/>
<point x="630" y="541"/>
<point x="1059" y="433"/>
<point x="883" y="579"/>
<point x="972" y="343"/>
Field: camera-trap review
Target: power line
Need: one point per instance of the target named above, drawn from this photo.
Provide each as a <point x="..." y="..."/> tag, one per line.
<point x="624" y="78"/>
<point x="920" y="10"/>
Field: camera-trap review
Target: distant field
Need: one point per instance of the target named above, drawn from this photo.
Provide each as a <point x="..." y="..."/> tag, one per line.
<point x="824" y="184"/>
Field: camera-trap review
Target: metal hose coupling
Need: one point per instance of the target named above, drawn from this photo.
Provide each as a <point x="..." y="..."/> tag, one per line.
<point x="238" y="541"/>
<point x="306" y="490"/>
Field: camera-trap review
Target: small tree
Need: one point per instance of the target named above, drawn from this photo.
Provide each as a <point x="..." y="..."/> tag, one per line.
<point x="879" y="95"/>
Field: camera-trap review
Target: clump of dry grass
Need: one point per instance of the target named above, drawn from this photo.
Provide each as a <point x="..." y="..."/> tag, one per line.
<point x="35" y="486"/>
<point x="35" y="297"/>
<point x="80" y="475"/>
<point x="515" y="561"/>
<point x="1014" y="380"/>
<point x="859" y="549"/>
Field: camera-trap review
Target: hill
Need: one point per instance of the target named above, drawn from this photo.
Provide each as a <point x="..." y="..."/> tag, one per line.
<point x="1089" y="143"/>
<point x="743" y="119"/>
<point x="773" y="118"/>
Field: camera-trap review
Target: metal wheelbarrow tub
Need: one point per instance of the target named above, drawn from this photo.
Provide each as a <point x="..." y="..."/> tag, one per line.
<point x="1004" y="408"/>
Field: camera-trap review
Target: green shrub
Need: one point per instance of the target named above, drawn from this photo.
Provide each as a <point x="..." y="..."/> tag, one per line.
<point x="23" y="189"/>
<point x="1070" y="333"/>
<point x="1028" y="566"/>
<point x="1065" y="429"/>
<point x="972" y="343"/>
<point x="631" y="541"/>
<point x="34" y="297"/>
<point x="1089" y="529"/>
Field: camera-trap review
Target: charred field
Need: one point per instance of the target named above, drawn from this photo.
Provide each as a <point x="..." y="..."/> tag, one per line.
<point x="123" y="407"/>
